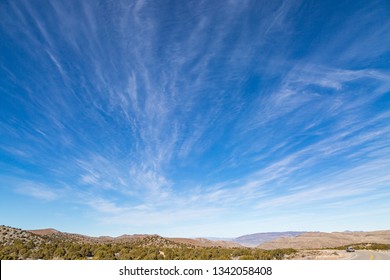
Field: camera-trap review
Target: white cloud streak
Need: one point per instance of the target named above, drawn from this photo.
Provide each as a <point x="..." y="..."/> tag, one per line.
<point x="133" y="101"/>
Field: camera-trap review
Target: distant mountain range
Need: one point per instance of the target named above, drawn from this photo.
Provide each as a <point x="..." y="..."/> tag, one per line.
<point x="268" y="240"/>
<point x="250" y="240"/>
<point x="255" y="239"/>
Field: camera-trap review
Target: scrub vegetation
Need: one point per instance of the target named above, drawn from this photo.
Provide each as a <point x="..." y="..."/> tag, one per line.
<point x="17" y="244"/>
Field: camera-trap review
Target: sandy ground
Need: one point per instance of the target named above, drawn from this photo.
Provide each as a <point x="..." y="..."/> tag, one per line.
<point x="340" y="255"/>
<point x="320" y="255"/>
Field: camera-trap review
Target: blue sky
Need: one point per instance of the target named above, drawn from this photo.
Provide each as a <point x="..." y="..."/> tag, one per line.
<point x="195" y="118"/>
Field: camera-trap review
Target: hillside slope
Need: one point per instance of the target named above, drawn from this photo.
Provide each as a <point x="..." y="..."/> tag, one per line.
<point x="318" y="240"/>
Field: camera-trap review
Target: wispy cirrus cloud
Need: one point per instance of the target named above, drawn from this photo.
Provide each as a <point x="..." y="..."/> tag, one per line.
<point x="38" y="191"/>
<point x="172" y="111"/>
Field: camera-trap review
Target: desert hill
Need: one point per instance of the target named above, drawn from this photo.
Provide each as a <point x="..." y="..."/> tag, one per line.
<point x="268" y="241"/>
<point x="44" y="232"/>
<point x="51" y="244"/>
<point x="203" y="242"/>
<point x="318" y="240"/>
<point x="9" y="235"/>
